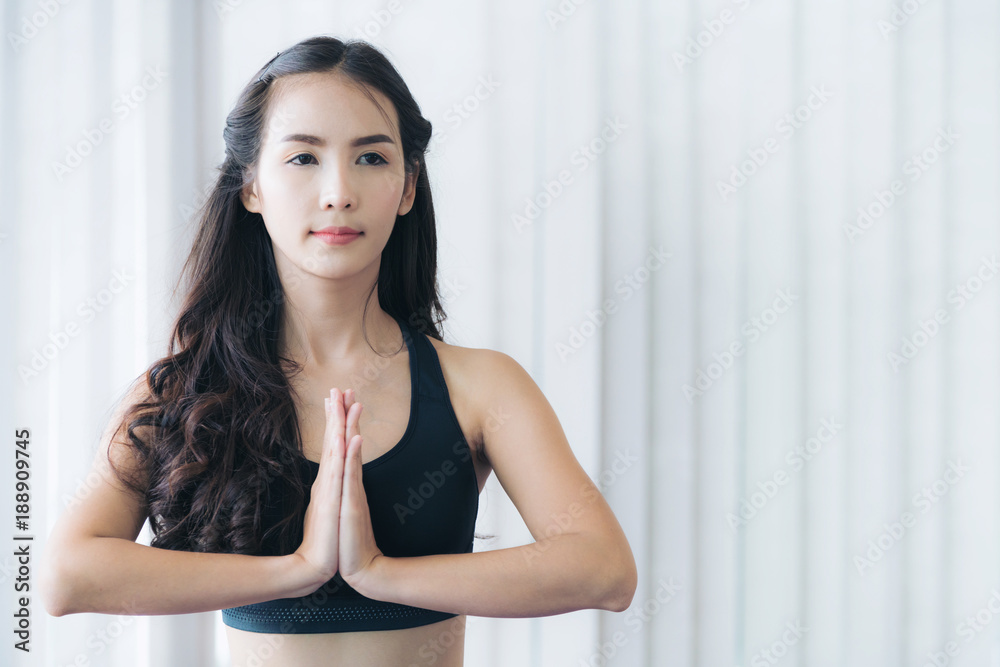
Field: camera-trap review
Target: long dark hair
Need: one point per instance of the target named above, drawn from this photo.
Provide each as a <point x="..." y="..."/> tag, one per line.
<point x="218" y="420"/>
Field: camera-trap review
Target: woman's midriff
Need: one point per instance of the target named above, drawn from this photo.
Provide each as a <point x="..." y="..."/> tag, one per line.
<point x="441" y="644"/>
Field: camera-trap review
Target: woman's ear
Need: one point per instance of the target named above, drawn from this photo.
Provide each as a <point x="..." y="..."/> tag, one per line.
<point x="409" y="191"/>
<point x="248" y="195"/>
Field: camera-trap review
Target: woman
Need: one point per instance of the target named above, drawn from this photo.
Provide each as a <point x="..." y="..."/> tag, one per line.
<point x="314" y="270"/>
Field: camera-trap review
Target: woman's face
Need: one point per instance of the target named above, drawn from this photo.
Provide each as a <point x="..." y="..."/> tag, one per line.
<point x="329" y="159"/>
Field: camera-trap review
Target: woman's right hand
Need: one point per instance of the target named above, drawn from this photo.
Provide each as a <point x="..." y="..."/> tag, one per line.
<point x="320" y="531"/>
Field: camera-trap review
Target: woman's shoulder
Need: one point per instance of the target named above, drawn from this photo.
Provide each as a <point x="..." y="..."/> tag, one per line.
<point x="477" y="378"/>
<point x="472" y="365"/>
<point x="479" y="375"/>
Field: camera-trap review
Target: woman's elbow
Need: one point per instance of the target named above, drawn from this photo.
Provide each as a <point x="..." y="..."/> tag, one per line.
<point x="53" y="588"/>
<point x="624" y="579"/>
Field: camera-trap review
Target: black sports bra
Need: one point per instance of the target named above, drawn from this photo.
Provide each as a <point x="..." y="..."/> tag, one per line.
<point x="423" y="496"/>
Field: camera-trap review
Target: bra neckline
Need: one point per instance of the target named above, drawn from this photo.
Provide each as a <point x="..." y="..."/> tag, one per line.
<point x="407" y="334"/>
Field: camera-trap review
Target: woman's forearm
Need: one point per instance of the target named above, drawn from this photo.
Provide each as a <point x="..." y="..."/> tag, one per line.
<point x="111" y="575"/>
<point x="551" y="576"/>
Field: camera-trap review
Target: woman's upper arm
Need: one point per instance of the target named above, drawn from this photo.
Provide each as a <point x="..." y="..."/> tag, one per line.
<point x="532" y="458"/>
<point x="102" y="506"/>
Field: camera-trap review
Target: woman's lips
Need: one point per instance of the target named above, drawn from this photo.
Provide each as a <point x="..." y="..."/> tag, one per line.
<point x="330" y="238"/>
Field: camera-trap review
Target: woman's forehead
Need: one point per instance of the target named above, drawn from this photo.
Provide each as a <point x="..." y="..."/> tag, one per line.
<point x="327" y="104"/>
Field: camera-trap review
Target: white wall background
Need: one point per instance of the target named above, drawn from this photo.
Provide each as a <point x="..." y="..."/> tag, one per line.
<point x="892" y="76"/>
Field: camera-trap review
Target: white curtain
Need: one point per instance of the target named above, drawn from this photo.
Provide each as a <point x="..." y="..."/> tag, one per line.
<point x="747" y="249"/>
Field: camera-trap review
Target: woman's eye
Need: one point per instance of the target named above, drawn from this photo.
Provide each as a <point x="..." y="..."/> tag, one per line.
<point x="374" y="159"/>
<point x="378" y="157"/>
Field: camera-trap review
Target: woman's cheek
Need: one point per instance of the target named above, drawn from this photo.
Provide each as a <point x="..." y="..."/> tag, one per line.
<point x="393" y="199"/>
<point x="391" y="187"/>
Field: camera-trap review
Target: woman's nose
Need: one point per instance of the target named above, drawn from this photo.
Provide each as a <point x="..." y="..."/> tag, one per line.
<point x="338" y="192"/>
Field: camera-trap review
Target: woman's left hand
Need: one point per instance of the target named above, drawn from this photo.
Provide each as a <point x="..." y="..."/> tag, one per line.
<point x="358" y="550"/>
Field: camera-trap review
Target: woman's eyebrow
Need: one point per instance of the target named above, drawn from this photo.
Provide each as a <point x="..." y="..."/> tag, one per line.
<point x="319" y="141"/>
